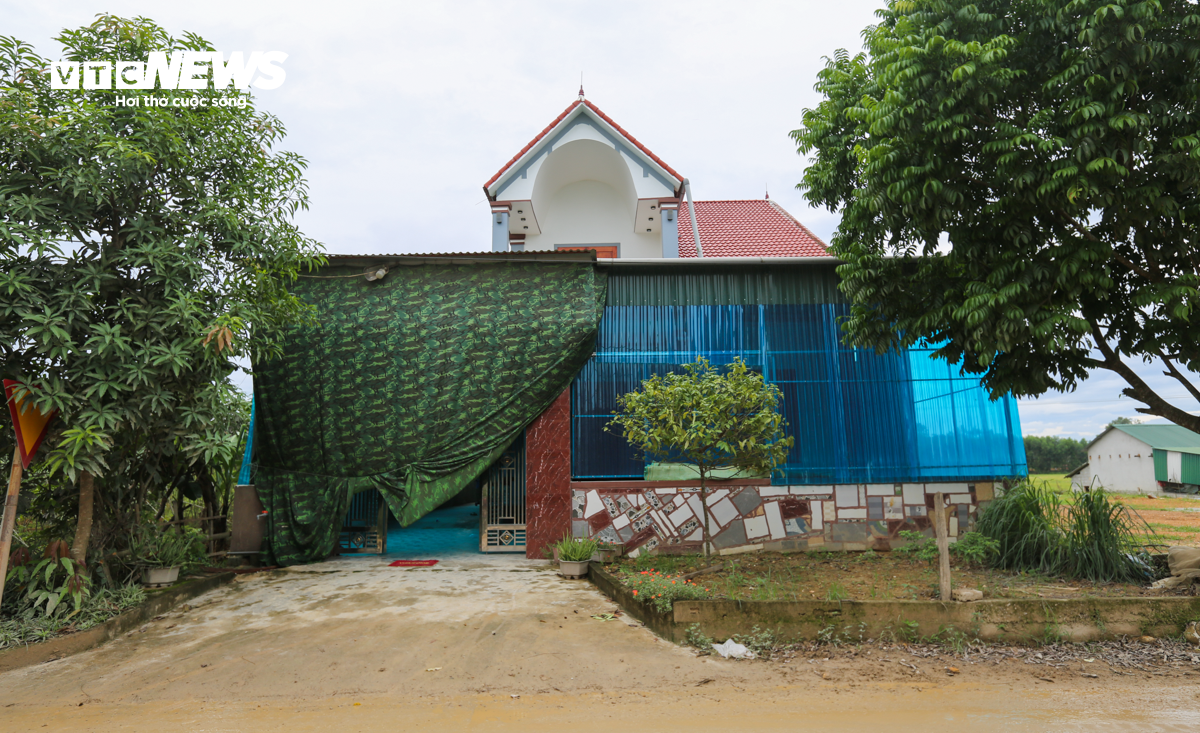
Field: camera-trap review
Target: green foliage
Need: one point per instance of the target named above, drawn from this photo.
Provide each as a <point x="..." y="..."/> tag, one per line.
<point x="1046" y="454"/>
<point x="97" y="608"/>
<point x="975" y="548"/>
<point x="142" y="250"/>
<point x="836" y="592"/>
<point x="1024" y="520"/>
<point x="574" y="549"/>
<point x="917" y="546"/>
<point x="763" y="642"/>
<point x="971" y="547"/>
<point x="1103" y="541"/>
<point x="661" y="590"/>
<point x="706" y="418"/>
<point x="1017" y="184"/>
<point x="1094" y="537"/>
<point x="697" y="638"/>
<point x="155" y="547"/>
<point x="35" y="590"/>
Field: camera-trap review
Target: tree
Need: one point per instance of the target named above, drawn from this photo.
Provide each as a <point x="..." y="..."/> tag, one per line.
<point x="708" y="419"/>
<point x="1046" y="454"/>
<point x="1124" y="421"/>
<point x="1018" y="186"/>
<point x="143" y="249"/>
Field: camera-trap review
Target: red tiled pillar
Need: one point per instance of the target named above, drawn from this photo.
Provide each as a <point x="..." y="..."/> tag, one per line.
<point x="548" y="476"/>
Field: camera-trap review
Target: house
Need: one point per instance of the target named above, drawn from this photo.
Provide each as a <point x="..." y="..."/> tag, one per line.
<point x="583" y="182"/>
<point x="1142" y="459"/>
<point x="589" y="218"/>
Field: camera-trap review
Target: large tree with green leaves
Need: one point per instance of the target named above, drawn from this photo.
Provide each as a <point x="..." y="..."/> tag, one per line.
<point x="1019" y="182"/>
<point x="707" y="418"/>
<point x="142" y="250"/>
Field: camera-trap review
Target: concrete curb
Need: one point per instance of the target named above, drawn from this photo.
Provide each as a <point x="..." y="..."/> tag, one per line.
<point x="996" y="619"/>
<point x="157" y="603"/>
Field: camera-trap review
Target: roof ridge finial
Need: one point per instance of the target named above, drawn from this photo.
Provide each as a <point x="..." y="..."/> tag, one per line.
<point x="581" y="86"/>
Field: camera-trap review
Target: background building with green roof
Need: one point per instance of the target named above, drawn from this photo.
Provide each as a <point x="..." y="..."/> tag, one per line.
<point x="1142" y="459"/>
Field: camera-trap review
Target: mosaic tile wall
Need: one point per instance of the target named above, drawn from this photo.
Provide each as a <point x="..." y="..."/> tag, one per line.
<point x="649" y="517"/>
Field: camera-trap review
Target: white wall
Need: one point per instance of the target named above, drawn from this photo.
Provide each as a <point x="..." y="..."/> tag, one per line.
<point x="1119" y="462"/>
<point x="591" y="212"/>
<point x="584" y="193"/>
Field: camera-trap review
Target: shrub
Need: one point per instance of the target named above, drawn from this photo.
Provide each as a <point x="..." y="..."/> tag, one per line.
<point x="975" y="548"/>
<point x="156" y="548"/>
<point x="42" y="589"/>
<point x="917" y="546"/>
<point x="661" y="590"/>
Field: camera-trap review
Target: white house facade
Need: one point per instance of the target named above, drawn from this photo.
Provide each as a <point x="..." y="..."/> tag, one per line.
<point x="1118" y="461"/>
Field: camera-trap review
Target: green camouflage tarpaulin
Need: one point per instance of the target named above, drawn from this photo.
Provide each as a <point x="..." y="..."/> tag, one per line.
<point x="413" y="384"/>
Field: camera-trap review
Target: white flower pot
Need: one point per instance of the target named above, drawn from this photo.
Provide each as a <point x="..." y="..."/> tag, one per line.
<point x="571" y="569"/>
<point x="158" y="577"/>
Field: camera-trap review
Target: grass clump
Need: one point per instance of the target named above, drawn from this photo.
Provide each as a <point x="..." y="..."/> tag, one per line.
<point x="1093" y="538"/>
<point x="572" y="549"/>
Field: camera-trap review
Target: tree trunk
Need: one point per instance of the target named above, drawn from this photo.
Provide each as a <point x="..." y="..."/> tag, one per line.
<point x="10" y="516"/>
<point x="83" y="526"/>
<point x="943" y="545"/>
<point x="704" y="509"/>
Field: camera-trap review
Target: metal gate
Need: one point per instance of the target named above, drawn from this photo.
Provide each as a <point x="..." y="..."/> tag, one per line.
<point x="502" y="506"/>
<point x="364" y="530"/>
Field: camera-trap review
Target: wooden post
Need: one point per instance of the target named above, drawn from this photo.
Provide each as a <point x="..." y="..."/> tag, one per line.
<point x="941" y="531"/>
<point x="10" y="517"/>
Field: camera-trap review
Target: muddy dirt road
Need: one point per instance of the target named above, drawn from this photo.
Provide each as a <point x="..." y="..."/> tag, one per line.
<point x="500" y="643"/>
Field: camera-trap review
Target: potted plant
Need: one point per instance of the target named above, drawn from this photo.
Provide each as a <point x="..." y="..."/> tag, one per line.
<point x="607" y="552"/>
<point x="161" y="553"/>
<point x="573" y="556"/>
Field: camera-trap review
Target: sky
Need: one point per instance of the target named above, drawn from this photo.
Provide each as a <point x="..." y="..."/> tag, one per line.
<point x="404" y="109"/>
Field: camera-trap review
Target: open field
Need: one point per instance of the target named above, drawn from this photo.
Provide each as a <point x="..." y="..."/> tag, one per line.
<point x="1057" y="481"/>
<point x="1176" y="519"/>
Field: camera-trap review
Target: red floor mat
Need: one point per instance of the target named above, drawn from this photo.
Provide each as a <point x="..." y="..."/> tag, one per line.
<point x="413" y="564"/>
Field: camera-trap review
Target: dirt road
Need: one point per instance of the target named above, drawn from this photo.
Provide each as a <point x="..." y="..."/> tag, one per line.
<point x="499" y="643"/>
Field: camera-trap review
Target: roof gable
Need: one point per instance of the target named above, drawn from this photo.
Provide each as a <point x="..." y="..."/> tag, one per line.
<point x="559" y="125"/>
<point x="1162" y="437"/>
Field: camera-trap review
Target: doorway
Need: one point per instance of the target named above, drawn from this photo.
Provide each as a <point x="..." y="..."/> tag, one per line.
<point x="502" y="505"/>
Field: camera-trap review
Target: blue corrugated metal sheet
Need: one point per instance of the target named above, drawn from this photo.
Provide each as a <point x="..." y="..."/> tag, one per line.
<point x="248" y="452"/>
<point x="856" y="416"/>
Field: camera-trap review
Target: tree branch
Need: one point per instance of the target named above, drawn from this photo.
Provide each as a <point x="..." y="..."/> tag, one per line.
<point x="1138" y="389"/>
<point x="1173" y="371"/>
<point x="1133" y="267"/>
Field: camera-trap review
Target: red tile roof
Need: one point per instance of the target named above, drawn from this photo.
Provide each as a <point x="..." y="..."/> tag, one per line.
<point x="754" y="228"/>
<point x="562" y="117"/>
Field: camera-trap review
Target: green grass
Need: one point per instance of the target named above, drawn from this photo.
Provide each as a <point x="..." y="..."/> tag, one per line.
<point x="1057" y="482"/>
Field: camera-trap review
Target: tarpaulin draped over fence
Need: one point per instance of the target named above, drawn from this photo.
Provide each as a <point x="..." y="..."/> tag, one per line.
<point x="412" y="384"/>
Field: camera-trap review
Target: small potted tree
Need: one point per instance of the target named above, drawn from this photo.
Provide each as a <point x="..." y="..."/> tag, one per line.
<point x="161" y="554"/>
<point x="573" y="555"/>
